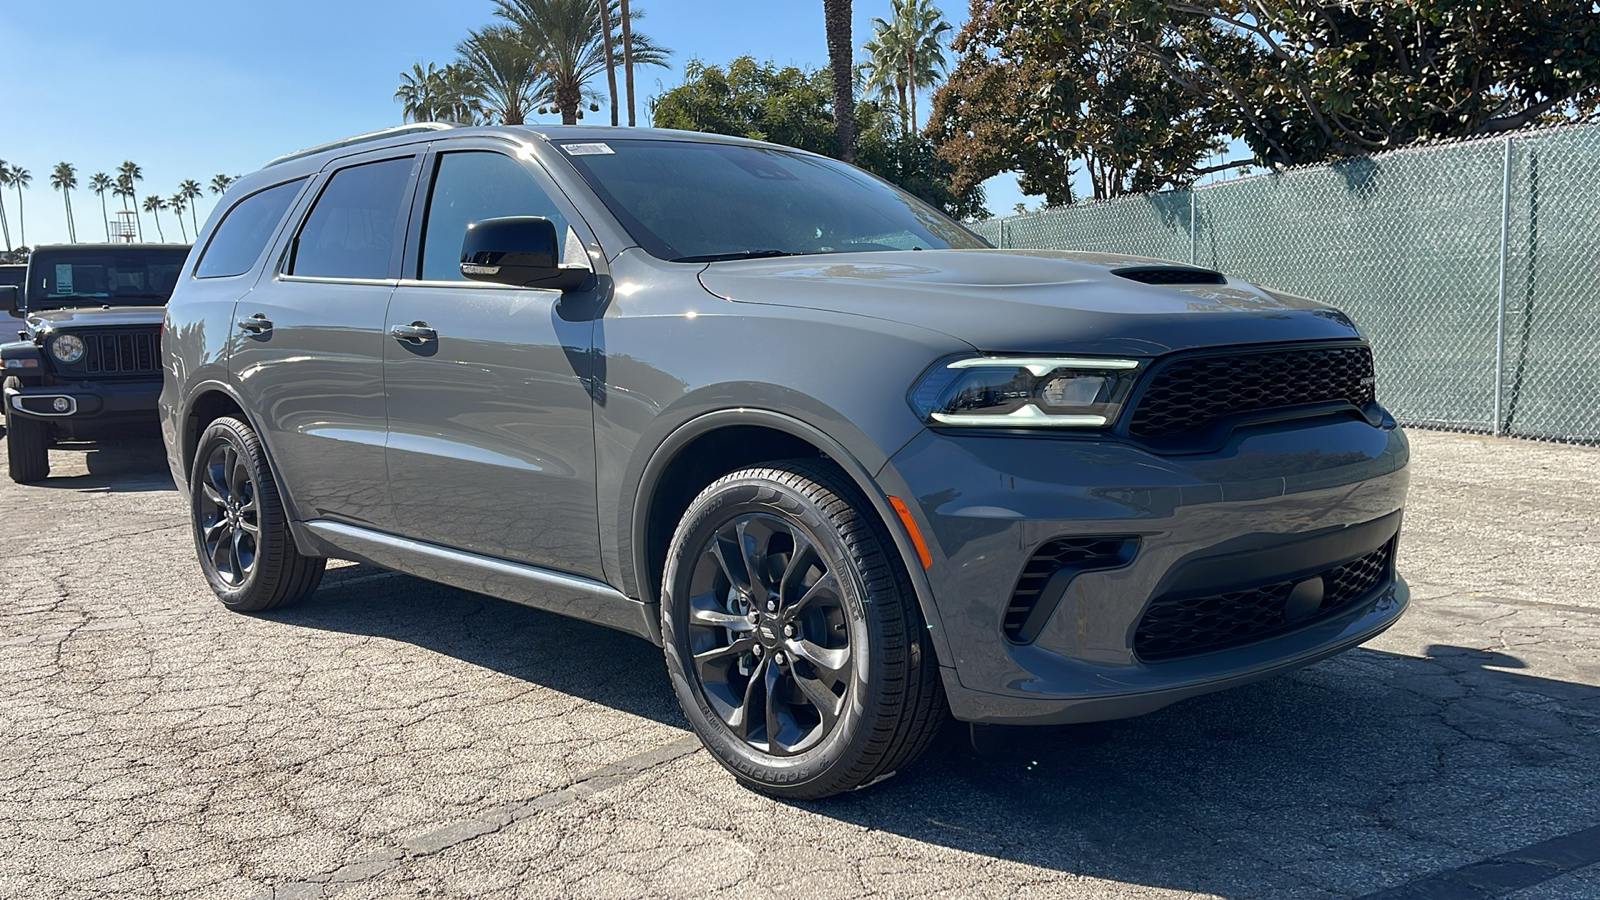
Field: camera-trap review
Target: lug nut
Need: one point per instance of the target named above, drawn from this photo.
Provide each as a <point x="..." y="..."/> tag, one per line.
<point x="756" y="650"/>
<point x="788" y="631"/>
<point x="772" y="606"/>
<point x="777" y="658"/>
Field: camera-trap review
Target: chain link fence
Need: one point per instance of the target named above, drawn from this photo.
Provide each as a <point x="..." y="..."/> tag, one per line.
<point x="1470" y="266"/>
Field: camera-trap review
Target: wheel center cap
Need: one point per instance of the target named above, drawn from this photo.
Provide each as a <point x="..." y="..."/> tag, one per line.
<point x="767" y="631"/>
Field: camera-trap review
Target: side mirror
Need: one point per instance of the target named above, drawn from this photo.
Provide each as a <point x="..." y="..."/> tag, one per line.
<point x="10" y="299"/>
<point x="523" y="251"/>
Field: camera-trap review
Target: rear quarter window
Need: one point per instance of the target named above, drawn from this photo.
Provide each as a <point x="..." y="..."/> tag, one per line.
<point x="243" y="233"/>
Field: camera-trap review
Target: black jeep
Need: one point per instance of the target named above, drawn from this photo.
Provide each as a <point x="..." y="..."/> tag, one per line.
<point x="88" y="365"/>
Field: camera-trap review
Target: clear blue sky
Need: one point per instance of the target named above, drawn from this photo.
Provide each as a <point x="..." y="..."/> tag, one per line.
<point x="191" y="88"/>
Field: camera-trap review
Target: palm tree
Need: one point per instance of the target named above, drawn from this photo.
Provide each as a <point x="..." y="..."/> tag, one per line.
<point x="178" y="203"/>
<point x="417" y="93"/>
<point x="20" y="178"/>
<point x="460" y="95"/>
<point x="836" y="19"/>
<point x="627" y="54"/>
<point x="64" y="177"/>
<point x="100" y="183"/>
<point x="4" y="225"/>
<point x="566" y="39"/>
<point x="128" y="177"/>
<point x="508" y="77"/>
<point x="221" y="183"/>
<point x="921" y="26"/>
<point x="154" y="205"/>
<point x="883" y="72"/>
<point x="611" y="60"/>
<point x="190" y="191"/>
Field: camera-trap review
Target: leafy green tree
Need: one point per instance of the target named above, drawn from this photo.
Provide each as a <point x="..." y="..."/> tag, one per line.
<point x="129" y="174"/>
<point x="190" y="191"/>
<point x="64" y="177"/>
<point x="101" y="184"/>
<point x="793" y="106"/>
<point x="567" y="41"/>
<point x="841" y="64"/>
<point x="906" y="53"/>
<point x="19" y="178"/>
<point x="154" y="205"/>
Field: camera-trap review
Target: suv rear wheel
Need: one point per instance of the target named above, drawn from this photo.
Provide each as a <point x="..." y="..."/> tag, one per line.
<point x="794" y="642"/>
<point x="27" y="448"/>
<point x="240" y="530"/>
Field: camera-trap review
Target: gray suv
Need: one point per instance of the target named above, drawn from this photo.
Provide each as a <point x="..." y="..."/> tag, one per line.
<point x="851" y="468"/>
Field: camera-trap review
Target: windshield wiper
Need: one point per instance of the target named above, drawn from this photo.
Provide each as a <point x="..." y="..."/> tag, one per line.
<point x="737" y="254"/>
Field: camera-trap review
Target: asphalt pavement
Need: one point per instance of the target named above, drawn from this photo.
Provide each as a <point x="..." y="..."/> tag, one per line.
<point x="395" y="738"/>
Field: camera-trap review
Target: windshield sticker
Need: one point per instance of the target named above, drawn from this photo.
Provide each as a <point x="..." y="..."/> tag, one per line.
<point x="64" y="278"/>
<point x="594" y="149"/>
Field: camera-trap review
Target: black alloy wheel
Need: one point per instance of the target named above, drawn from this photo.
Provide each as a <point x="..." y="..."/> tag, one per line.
<point x="794" y="641"/>
<point x="241" y="533"/>
<point x="771" y="634"/>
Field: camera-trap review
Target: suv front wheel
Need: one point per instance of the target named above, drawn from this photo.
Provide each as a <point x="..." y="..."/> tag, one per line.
<point x="240" y="530"/>
<point x="27" y="447"/>
<point x="795" y="645"/>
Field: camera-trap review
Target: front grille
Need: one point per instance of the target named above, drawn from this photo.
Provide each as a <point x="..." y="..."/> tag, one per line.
<point x="121" y="352"/>
<point x="1189" y="393"/>
<point x="1183" y="626"/>
<point x="1078" y="554"/>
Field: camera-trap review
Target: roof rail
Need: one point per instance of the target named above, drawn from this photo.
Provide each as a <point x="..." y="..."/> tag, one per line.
<point x="398" y="130"/>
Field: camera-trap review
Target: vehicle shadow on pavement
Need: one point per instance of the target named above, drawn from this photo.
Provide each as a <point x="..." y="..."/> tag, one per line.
<point x="566" y="655"/>
<point x="128" y="466"/>
<point x="1374" y="767"/>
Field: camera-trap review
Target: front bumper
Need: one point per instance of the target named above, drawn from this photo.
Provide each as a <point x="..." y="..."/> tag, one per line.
<point x="98" y="403"/>
<point x="985" y="504"/>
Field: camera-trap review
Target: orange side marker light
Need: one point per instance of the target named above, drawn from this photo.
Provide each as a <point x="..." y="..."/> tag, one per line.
<point x="916" y="536"/>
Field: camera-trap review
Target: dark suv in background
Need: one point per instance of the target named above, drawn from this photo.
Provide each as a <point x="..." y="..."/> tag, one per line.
<point x="87" y="365"/>
<point x="850" y="467"/>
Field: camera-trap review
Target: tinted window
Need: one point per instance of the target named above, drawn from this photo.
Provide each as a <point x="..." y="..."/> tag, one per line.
<point x="351" y="231"/>
<point x="699" y="201"/>
<point x="470" y="187"/>
<point x="132" y="277"/>
<point x="238" y="241"/>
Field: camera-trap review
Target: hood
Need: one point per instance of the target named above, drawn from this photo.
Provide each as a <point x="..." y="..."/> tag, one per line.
<point x="94" y="317"/>
<point x="1032" y="301"/>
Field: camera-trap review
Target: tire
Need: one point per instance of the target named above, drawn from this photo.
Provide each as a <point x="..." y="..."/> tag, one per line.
<point x="854" y="689"/>
<point x="27" y="448"/>
<point x="241" y="533"/>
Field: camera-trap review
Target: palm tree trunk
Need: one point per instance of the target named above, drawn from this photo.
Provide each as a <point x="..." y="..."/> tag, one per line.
<point x="905" y="120"/>
<point x="105" y="216"/>
<point x="72" y="228"/>
<point x="911" y="82"/>
<point x="156" y="214"/>
<point x="183" y="230"/>
<point x="568" y="96"/>
<point x="192" y="220"/>
<point x="627" y="57"/>
<point x="4" y="224"/>
<point x="841" y="53"/>
<point x="611" y="57"/>
<point x="22" y="223"/>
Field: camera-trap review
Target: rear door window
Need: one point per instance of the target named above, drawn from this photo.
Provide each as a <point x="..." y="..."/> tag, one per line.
<point x="354" y="227"/>
<point x="471" y="186"/>
<point x="245" y="230"/>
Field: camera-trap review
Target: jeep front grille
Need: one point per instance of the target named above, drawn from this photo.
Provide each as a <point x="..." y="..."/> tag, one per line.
<point x="1189" y="393"/>
<point x="121" y="353"/>
<point x="1175" y="627"/>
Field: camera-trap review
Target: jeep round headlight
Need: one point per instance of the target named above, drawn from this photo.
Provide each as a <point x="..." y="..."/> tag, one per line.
<point x="68" y="348"/>
<point x="1025" y="392"/>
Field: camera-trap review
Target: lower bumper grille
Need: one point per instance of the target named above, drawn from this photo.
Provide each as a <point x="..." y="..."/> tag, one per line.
<point x="1044" y="579"/>
<point x="1176" y="627"/>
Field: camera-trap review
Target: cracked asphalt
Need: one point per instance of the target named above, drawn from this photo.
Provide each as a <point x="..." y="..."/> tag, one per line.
<point x="394" y="738"/>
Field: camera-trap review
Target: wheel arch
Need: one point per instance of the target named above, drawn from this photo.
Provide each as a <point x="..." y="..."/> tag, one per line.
<point x="697" y="453"/>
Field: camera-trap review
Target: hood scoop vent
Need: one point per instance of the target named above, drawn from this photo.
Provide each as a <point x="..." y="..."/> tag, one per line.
<point x="1170" y="275"/>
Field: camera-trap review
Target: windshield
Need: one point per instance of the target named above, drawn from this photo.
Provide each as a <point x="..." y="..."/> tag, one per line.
<point x="133" y="277"/>
<point x="689" y="201"/>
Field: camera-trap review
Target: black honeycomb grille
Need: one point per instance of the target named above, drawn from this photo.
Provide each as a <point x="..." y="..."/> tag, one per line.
<point x="1188" y="394"/>
<point x="1176" y="627"/>
<point x="121" y="352"/>
<point x="1076" y="553"/>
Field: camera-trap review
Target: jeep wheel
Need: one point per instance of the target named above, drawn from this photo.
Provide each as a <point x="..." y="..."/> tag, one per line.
<point x="792" y="636"/>
<point x="240" y="530"/>
<point x="27" y="448"/>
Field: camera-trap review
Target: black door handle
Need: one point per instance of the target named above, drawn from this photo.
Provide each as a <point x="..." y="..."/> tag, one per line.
<point x="256" y="324"/>
<point x="415" y="333"/>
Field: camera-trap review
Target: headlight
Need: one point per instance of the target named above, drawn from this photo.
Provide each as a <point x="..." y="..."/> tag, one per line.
<point x="68" y="348"/>
<point x="1025" y="392"/>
